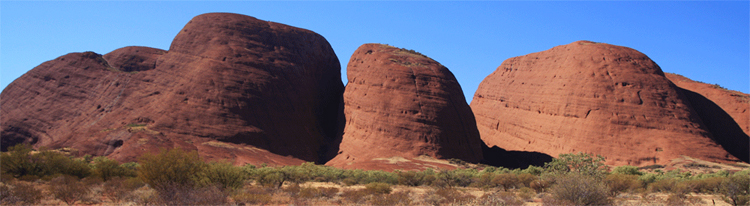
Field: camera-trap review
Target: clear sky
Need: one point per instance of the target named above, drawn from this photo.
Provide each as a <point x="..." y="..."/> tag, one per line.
<point x="707" y="41"/>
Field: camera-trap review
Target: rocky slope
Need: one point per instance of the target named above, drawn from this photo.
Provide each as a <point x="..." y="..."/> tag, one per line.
<point x="230" y="86"/>
<point x="401" y="105"/>
<point x="595" y="98"/>
<point x="724" y="112"/>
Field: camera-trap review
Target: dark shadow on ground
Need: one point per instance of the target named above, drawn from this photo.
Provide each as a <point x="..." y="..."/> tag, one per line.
<point x="500" y="157"/>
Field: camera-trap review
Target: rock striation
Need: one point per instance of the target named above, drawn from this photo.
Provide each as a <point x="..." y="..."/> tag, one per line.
<point x="402" y="105"/>
<point x="594" y="98"/>
<point x="230" y="86"/>
<point x="724" y="112"/>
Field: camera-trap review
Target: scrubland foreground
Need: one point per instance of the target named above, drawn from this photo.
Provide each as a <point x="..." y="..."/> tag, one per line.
<point x="176" y="177"/>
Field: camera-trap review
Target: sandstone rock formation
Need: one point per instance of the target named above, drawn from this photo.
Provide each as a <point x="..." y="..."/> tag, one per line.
<point x="724" y="112"/>
<point x="230" y="86"/>
<point x="400" y="105"/>
<point x="594" y="98"/>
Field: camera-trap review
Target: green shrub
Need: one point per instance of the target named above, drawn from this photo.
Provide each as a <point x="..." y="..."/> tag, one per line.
<point x="412" y="178"/>
<point x="581" y="163"/>
<point x="107" y="169"/>
<point x="619" y="182"/>
<point x="378" y="188"/>
<point x="708" y="185"/>
<point x="580" y="190"/>
<point x="225" y="175"/>
<point x="663" y="185"/>
<point x="507" y="181"/>
<point x="271" y="179"/>
<point x="17" y="161"/>
<point x="627" y="170"/>
<point x="171" y="169"/>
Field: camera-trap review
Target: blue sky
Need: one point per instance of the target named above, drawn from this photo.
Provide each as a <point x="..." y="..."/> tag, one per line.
<point x="707" y="41"/>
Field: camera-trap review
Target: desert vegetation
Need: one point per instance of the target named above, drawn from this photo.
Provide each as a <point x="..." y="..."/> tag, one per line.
<point x="177" y="177"/>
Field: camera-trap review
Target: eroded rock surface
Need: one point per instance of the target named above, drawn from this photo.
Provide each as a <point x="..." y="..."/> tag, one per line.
<point x="594" y="98"/>
<point x="230" y="86"/>
<point x="401" y="104"/>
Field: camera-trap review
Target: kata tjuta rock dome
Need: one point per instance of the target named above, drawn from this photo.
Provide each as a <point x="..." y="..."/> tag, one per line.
<point x="594" y="98"/>
<point x="230" y="86"/>
<point x="726" y="113"/>
<point x="401" y="105"/>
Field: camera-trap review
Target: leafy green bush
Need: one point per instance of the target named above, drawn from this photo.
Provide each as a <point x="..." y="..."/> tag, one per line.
<point x="19" y="162"/>
<point x="171" y="169"/>
<point x="580" y="190"/>
<point x="225" y="175"/>
<point x="619" y="182"/>
<point x="107" y="169"/>
<point x="627" y="170"/>
<point x="581" y="163"/>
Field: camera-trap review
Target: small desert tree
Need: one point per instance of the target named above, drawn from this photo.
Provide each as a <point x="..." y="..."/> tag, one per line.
<point x="581" y="163"/>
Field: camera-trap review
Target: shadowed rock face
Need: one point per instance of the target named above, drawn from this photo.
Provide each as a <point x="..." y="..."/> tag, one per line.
<point x="595" y="98"/>
<point x="724" y="112"/>
<point x="231" y="86"/>
<point x="399" y="103"/>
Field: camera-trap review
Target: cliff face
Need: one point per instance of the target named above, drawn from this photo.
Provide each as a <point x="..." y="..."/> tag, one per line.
<point x="257" y="91"/>
<point x="595" y="98"/>
<point x="399" y="103"/>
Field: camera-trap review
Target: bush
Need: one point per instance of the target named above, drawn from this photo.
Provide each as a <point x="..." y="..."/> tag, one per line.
<point x="171" y="169"/>
<point x="19" y="162"/>
<point x="627" y="170"/>
<point x="118" y="189"/>
<point x="498" y="198"/>
<point x="736" y="188"/>
<point x="378" y="188"/>
<point x="181" y="194"/>
<point x="450" y="196"/>
<point x="581" y="163"/>
<point x="397" y="198"/>
<point x="412" y="178"/>
<point x="322" y="192"/>
<point x="107" y="169"/>
<point x="21" y="193"/>
<point x="225" y="175"/>
<point x="708" y="185"/>
<point x="619" y="182"/>
<point x="507" y="181"/>
<point x="252" y="196"/>
<point x="580" y="190"/>
<point x="68" y="189"/>
<point x="526" y="193"/>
